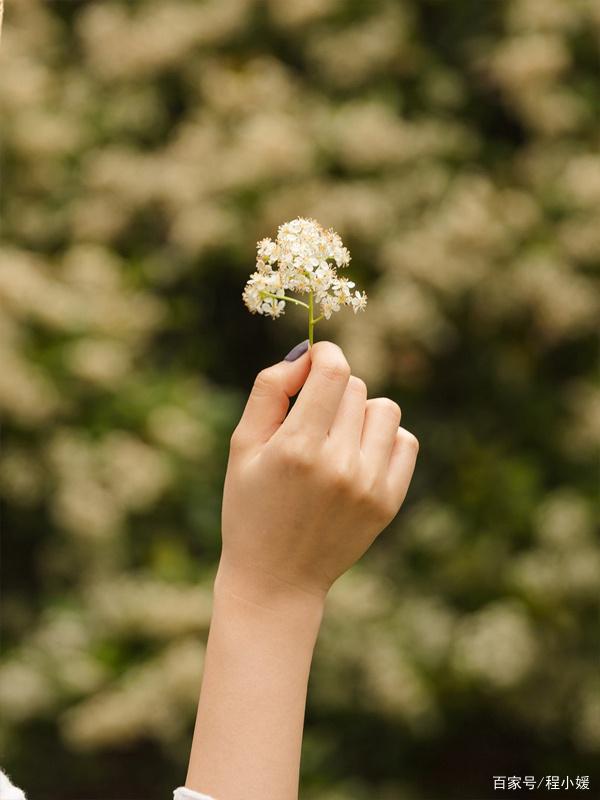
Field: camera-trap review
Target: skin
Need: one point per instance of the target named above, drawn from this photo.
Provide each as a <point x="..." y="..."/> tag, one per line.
<point x="306" y="493"/>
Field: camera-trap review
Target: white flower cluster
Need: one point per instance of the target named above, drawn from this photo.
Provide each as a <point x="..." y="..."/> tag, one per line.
<point x="304" y="258"/>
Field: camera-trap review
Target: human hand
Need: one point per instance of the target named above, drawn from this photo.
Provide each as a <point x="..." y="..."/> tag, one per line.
<point x="306" y="494"/>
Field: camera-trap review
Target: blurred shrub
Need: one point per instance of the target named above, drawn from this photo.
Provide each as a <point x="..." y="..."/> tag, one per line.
<point x="146" y="146"/>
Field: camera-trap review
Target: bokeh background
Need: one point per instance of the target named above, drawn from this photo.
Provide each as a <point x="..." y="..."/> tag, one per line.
<point x="146" y="146"/>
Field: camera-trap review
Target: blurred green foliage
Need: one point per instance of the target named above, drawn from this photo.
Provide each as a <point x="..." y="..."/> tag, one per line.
<point x="146" y="147"/>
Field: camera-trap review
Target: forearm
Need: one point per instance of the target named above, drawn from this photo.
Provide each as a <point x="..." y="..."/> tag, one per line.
<point x="248" y="734"/>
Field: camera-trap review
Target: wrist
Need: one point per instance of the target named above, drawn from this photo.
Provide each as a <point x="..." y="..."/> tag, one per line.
<point x="259" y="587"/>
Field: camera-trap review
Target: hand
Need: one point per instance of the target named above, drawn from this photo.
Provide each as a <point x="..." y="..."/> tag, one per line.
<point x="306" y="494"/>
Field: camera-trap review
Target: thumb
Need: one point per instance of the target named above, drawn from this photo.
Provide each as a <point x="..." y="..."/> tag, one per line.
<point x="269" y="399"/>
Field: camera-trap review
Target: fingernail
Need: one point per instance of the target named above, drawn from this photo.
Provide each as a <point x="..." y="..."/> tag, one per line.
<point x="297" y="351"/>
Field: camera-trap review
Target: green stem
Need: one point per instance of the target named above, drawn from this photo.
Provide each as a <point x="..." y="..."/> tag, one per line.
<point x="312" y="321"/>
<point x="284" y="297"/>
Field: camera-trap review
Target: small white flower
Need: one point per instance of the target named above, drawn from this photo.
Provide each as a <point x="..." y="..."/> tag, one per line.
<point x="359" y="301"/>
<point x="252" y="298"/>
<point x="329" y="304"/>
<point x="267" y="250"/>
<point x="263" y="267"/>
<point x="303" y="259"/>
<point x="272" y="307"/>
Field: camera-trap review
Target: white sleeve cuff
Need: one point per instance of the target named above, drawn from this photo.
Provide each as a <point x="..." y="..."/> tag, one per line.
<point x="183" y="793"/>
<point x="8" y="791"/>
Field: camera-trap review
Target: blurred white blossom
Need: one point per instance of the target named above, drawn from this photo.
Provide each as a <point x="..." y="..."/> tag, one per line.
<point x="495" y="646"/>
<point x="148" y="701"/>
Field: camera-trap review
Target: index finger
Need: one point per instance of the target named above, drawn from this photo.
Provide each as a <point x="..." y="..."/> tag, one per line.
<point x="318" y="401"/>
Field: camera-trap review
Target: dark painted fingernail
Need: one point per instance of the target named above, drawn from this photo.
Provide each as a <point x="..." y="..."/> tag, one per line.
<point x="297" y="351"/>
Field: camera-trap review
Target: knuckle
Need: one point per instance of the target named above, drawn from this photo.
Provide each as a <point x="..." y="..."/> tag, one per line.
<point x="411" y="441"/>
<point x="341" y="476"/>
<point x="236" y="441"/>
<point x="331" y="361"/>
<point x="336" y="370"/>
<point x="376" y="506"/>
<point x="263" y="383"/>
<point x="385" y="405"/>
<point x="357" y="385"/>
<point x="295" y="454"/>
<point x="383" y="509"/>
<point x="389" y="507"/>
<point x="374" y="500"/>
<point x="365" y="494"/>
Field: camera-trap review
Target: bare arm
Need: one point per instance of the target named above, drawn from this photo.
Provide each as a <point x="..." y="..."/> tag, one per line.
<point x="251" y="710"/>
<point x="305" y="495"/>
